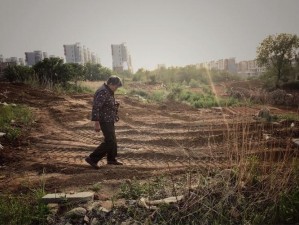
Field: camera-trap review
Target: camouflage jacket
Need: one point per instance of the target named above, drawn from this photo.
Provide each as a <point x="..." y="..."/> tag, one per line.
<point x="104" y="107"/>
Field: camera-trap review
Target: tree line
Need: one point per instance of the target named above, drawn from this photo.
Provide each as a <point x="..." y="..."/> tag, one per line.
<point x="54" y="71"/>
<point x="278" y="53"/>
<point x="188" y="75"/>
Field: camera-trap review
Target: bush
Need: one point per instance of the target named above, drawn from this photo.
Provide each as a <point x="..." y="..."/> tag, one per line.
<point x="12" y="119"/>
<point x="18" y="73"/>
<point x="193" y="83"/>
<point x="158" y="96"/>
<point x="23" y="209"/>
<point x="72" y="89"/>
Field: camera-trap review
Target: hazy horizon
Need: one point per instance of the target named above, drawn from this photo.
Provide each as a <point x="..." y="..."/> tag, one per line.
<point x="171" y="32"/>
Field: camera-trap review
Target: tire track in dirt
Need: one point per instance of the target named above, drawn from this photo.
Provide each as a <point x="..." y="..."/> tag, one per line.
<point x="151" y="138"/>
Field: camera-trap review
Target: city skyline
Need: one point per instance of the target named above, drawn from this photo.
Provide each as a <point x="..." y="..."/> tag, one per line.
<point x="175" y="33"/>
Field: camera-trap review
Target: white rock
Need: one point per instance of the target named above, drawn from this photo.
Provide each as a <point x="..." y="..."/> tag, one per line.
<point x="1" y="146"/>
<point x="2" y="134"/>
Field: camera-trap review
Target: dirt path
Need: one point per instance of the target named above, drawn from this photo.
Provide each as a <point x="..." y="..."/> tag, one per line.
<point x="153" y="140"/>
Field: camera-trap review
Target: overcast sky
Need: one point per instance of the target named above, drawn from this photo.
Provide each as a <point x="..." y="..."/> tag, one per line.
<point x="171" y="32"/>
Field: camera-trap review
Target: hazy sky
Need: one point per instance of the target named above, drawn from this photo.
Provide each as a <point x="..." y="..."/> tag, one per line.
<point x="171" y="32"/>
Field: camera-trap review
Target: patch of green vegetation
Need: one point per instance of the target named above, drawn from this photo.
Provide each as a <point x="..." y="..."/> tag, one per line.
<point x="287" y="207"/>
<point x="13" y="118"/>
<point x="23" y="209"/>
<point x="206" y="99"/>
<point x="121" y="91"/>
<point x="290" y="117"/>
<point x="158" y="96"/>
<point x="96" y="187"/>
<point x="135" y="189"/>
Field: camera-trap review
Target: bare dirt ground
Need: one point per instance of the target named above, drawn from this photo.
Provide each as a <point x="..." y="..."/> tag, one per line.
<point x="153" y="140"/>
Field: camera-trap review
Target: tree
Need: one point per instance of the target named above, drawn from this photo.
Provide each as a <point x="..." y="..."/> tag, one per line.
<point x="278" y="51"/>
<point x="18" y="73"/>
<point x="76" y="71"/>
<point x="94" y="72"/>
<point x="52" y="71"/>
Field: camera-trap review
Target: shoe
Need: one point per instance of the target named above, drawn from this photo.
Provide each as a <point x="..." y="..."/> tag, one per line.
<point x="114" y="163"/>
<point x="92" y="163"/>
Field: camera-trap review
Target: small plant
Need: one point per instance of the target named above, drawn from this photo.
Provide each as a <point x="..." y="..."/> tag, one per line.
<point x="13" y="120"/>
<point x="96" y="187"/>
<point x="131" y="189"/>
<point x="23" y="209"/>
<point x="158" y="96"/>
<point x="194" y="84"/>
<point x="135" y="189"/>
<point x="12" y="133"/>
<point x="121" y="91"/>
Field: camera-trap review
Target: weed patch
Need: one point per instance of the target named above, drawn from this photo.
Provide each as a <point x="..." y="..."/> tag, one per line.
<point x="23" y="209"/>
<point x="13" y="120"/>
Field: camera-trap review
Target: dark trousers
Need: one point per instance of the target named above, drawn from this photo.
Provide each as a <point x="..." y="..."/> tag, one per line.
<point x="109" y="146"/>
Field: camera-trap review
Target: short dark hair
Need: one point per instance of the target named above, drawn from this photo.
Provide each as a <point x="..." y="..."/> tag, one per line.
<point x="114" y="80"/>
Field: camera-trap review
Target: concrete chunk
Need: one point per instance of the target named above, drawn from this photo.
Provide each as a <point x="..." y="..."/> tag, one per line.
<point x="63" y="197"/>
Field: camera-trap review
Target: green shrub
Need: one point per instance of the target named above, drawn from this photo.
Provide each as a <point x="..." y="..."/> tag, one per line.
<point x="121" y="91"/>
<point x="23" y="209"/>
<point x="287" y="208"/>
<point x="193" y="83"/>
<point x="158" y="96"/>
<point x="12" y="119"/>
<point x="135" y="189"/>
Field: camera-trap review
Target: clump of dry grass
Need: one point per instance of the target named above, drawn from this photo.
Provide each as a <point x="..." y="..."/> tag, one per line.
<point x="258" y="183"/>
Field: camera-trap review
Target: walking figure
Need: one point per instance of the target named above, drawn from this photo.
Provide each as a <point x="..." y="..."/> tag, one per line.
<point x="104" y="115"/>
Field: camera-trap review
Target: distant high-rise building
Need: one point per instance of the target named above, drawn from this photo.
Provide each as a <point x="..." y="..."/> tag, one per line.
<point x="1" y="58"/>
<point x="77" y="54"/>
<point x="45" y="55"/>
<point x="74" y="53"/>
<point x="94" y="59"/>
<point x="13" y="60"/>
<point x="230" y="65"/>
<point x="21" y="62"/>
<point x="32" y="58"/>
<point x="121" y="59"/>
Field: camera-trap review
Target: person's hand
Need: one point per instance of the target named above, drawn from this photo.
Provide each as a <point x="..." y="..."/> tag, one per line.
<point x="97" y="126"/>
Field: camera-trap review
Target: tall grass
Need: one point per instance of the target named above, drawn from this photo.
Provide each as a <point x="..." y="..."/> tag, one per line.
<point x="255" y="182"/>
<point x="63" y="88"/>
<point x="24" y="209"/>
